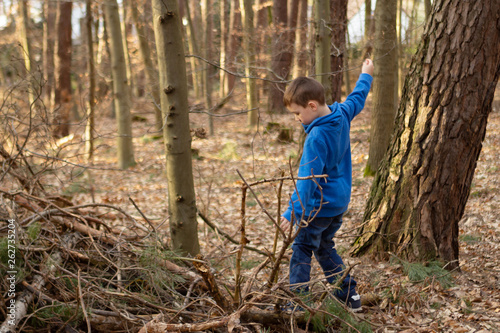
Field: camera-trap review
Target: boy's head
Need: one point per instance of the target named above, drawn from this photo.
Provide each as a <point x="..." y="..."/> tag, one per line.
<point x="305" y="98"/>
<point x="302" y="90"/>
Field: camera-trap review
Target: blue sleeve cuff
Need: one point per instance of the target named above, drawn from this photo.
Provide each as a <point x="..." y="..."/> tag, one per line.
<point x="288" y="214"/>
<point x="366" y="77"/>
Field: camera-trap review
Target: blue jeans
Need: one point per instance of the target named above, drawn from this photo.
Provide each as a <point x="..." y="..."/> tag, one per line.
<point x="317" y="238"/>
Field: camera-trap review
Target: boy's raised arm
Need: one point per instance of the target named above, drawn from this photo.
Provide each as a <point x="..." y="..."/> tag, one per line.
<point x="355" y="102"/>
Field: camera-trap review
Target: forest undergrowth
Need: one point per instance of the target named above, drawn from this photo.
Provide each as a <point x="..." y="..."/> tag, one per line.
<point x="92" y="240"/>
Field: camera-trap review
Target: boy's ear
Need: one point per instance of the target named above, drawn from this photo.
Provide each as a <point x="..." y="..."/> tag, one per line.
<point x="313" y="105"/>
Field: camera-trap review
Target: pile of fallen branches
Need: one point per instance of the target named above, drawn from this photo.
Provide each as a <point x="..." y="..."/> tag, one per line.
<point x="74" y="271"/>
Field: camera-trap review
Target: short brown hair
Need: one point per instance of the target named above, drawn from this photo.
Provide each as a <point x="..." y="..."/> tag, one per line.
<point x="302" y="90"/>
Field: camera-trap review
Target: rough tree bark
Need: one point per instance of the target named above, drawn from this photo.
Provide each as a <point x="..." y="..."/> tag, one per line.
<point x="121" y="90"/>
<point x="62" y="93"/>
<point x="419" y="194"/>
<point x="176" y="134"/>
<point x="384" y="83"/>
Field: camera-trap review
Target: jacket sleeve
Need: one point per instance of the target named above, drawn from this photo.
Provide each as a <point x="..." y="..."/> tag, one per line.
<point x="355" y="102"/>
<point x="312" y="163"/>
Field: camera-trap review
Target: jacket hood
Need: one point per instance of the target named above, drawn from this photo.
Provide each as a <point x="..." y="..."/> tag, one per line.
<point x="332" y="118"/>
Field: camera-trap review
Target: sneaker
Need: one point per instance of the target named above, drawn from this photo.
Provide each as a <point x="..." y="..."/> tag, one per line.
<point x="352" y="300"/>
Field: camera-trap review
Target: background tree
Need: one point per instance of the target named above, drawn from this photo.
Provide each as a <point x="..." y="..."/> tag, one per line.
<point x="251" y="87"/>
<point x="323" y="39"/>
<point x="176" y="133"/>
<point x="384" y="82"/>
<point x="338" y="12"/>
<point x="121" y="90"/>
<point x="62" y="93"/>
<point x="420" y="192"/>
<point x="149" y="64"/>
<point x="49" y="12"/>
<point x="300" y="50"/>
<point x="281" y="54"/>
<point x="89" y="128"/>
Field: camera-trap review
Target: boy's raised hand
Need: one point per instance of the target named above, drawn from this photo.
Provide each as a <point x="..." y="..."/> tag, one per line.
<point x="367" y="67"/>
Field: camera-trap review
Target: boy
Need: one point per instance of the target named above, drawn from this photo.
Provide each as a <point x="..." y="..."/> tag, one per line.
<point x="326" y="151"/>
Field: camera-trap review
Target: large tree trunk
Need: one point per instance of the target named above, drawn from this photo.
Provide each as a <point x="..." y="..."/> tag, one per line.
<point x="121" y="91"/>
<point x="419" y="194"/>
<point x="151" y="72"/>
<point x="177" y="137"/>
<point x="338" y="50"/>
<point x="323" y="38"/>
<point x="384" y="83"/>
<point x="62" y="94"/>
<point x="247" y="19"/>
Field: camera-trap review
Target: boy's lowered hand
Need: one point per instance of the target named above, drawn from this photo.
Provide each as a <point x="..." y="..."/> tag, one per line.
<point x="285" y="224"/>
<point x="367" y="67"/>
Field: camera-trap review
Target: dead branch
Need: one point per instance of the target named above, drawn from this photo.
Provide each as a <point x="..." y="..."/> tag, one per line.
<point x="227" y="236"/>
<point x="213" y="288"/>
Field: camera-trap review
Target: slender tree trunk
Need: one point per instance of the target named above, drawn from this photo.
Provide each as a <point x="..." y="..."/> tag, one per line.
<point x="385" y="84"/>
<point x="121" y="90"/>
<point x="281" y="55"/>
<point x="89" y="129"/>
<point x="338" y="10"/>
<point x="207" y="54"/>
<point x="300" y="55"/>
<point x="151" y="72"/>
<point x="224" y="20"/>
<point x="50" y="9"/>
<point x="175" y="110"/>
<point x="193" y="49"/>
<point x="62" y="94"/>
<point x="399" y="31"/>
<point x="23" y="29"/>
<point x="126" y="53"/>
<point x="420" y="192"/>
<point x="428" y="8"/>
<point x="233" y="43"/>
<point x="323" y="38"/>
<point x="251" y="87"/>
<point x="369" y="28"/>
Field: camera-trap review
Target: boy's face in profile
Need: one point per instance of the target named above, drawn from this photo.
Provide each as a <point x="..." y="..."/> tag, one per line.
<point x="306" y="114"/>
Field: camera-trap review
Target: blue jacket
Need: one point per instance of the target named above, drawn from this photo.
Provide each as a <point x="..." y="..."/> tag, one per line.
<point x="327" y="150"/>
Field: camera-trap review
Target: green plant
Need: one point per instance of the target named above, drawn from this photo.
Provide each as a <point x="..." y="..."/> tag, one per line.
<point x="321" y="322"/>
<point x="33" y="231"/>
<point x="418" y="272"/>
<point x="470" y="239"/>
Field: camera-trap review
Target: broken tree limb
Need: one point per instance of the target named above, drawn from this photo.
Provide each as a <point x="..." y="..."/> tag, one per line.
<point x="204" y="270"/>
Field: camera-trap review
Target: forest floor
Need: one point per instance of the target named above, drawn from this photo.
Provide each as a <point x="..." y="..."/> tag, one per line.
<point x="467" y="300"/>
